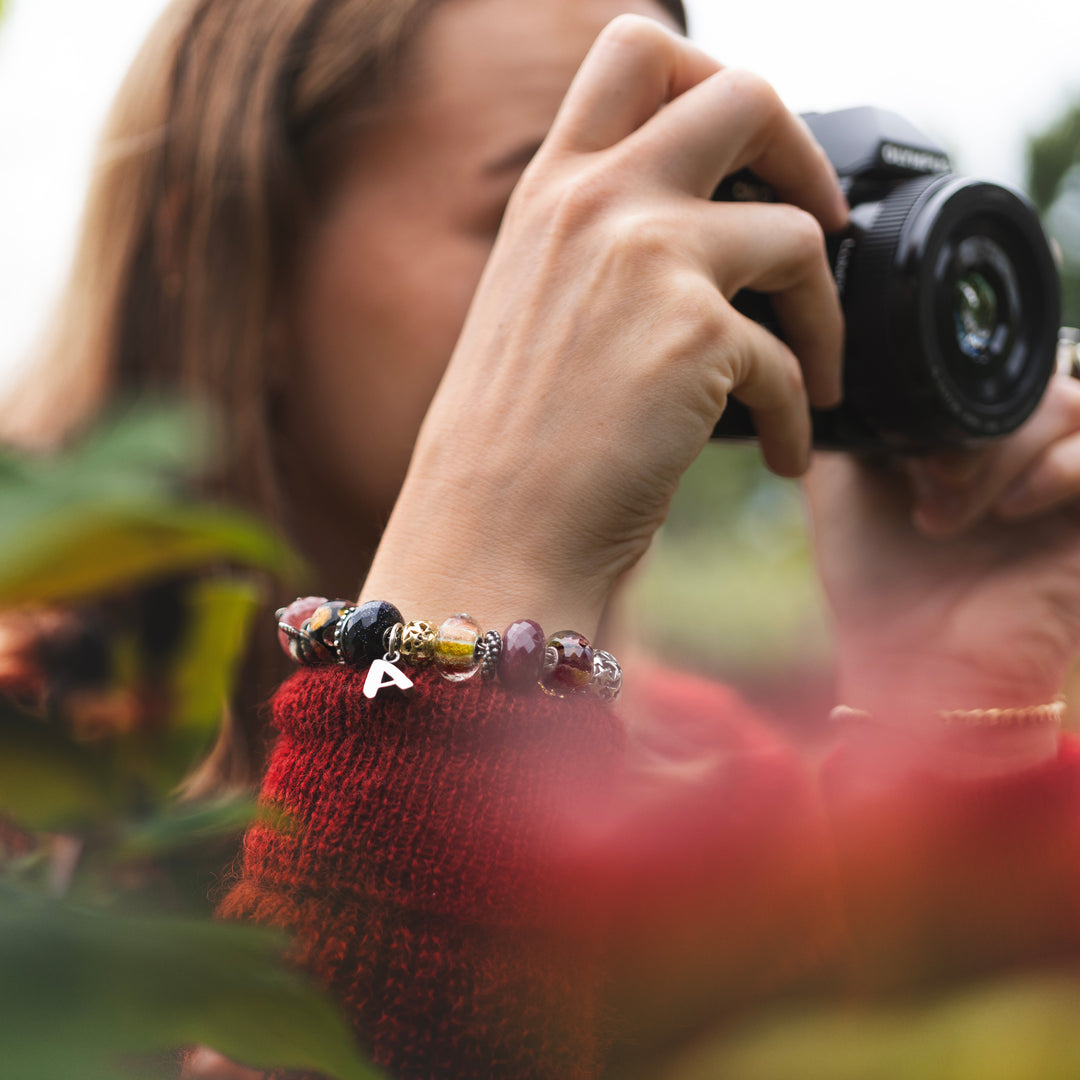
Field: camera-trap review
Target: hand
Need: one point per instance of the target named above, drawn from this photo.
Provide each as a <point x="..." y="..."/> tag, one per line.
<point x="600" y="349"/>
<point x="955" y="580"/>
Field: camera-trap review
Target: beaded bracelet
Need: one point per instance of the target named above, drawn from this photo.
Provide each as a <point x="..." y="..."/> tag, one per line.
<point x="314" y="630"/>
<point x="1029" y="716"/>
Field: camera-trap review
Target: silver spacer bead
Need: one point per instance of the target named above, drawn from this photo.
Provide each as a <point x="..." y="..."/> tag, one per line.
<point x="342" y="616"/>
<point x="550" y="661"/>
<point x="607" y="677"/>
<point x="392" y="639"/>
<point x="488" y="653"/>
<point x="301" y="644"/>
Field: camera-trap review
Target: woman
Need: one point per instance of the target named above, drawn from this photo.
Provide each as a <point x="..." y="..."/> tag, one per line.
<point x="468" y="328"/>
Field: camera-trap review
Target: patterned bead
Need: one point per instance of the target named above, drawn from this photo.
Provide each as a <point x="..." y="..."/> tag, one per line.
<point x="455" y="648"/>
<point x="607" y="677"/>
<point x="363" y="634"/>
<point x="418" y="642"/>
<point x="573" y="670"/>
<point x="489" y="649"/>
<point x="295" y="615"/>
<point x="522" y="655"/>
<point x="323" y="626"/>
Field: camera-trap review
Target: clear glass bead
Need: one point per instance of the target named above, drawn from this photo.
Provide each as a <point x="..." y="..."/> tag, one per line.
<point x="455" y="648"/>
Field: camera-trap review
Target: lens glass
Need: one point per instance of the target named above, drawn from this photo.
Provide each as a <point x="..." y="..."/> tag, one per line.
<point x="980" y="311"/>
<point x="975" y="315"/>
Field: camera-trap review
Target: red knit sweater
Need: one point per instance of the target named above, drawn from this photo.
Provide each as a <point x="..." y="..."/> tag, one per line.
<point x="500" y="886"/>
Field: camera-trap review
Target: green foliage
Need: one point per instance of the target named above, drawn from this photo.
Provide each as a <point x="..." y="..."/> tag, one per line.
<point x="79" y="986"/>
<point x="1053" y="170"/>
<point x="1050" y="155"/>
<point x="95" y="965"/>
<point x="728" y="586"/>
<point x="107" y="515"/>
<point x="47" y="780"/>
<point x="1014" y="1030"/>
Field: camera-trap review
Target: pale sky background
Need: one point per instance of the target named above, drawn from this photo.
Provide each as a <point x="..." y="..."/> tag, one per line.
<point x="977" y="74"/>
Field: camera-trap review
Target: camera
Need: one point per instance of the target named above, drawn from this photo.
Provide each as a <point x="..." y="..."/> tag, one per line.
<point x="949" y="288"/>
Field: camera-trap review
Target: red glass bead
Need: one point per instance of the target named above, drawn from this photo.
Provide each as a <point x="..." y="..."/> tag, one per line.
<point x="296" y="614"/>
<point x="573" y="666"/>
<point x="522" y="655"/>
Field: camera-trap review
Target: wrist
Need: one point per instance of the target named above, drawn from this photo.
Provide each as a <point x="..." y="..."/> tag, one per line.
<point x="434" y="564"/>
<point x="948" y="716"/>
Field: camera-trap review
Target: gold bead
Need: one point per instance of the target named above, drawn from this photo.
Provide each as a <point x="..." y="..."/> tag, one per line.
<point x="418" y="641"/>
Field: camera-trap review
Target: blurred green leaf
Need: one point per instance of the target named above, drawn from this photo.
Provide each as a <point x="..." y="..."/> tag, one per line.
<point x="78" y="989"/>
<point x="184" y="826"/>
<point x="48" y="781"/>
<point x="109" y="513"/>
<point x="163" y="442"/>
<point x="1022" y="1029"/>
<point x="93" y="546"/>
<point x="203" y="674"/>
<point x="1051" y="153"/>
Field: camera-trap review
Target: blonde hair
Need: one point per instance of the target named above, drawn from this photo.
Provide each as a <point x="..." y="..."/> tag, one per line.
<point x="225" y="135"/>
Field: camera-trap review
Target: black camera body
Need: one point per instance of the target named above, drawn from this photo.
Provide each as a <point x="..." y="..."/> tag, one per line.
<point x="949" y="288"/>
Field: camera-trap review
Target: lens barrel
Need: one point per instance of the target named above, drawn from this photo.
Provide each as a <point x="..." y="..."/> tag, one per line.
<point x="952" y="306"/>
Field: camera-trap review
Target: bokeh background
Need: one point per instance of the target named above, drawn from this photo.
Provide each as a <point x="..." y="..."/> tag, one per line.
<point x="728" y="587"/>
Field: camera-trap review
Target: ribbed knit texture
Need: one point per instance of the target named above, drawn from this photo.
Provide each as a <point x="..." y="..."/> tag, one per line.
<point x="500" y="886"/>
<point x="413" y="881"/>
<point x="472" y="873"/>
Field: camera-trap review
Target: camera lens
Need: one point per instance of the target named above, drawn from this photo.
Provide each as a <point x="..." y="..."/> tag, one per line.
<point x="952" y="313"/>
<point x="980" y="313"/>
<point x="975" y="315"/>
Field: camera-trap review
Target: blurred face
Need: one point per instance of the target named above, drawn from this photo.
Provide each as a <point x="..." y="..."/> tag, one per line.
<point x="390" y="267"/>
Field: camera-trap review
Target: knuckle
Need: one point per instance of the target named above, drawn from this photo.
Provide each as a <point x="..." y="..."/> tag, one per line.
<point x="791" y="377"/>
<point x="639" y="236"/>
<point x="756" y="93"/>
<point x="1069" y="395"/>
<point x="806" y="235"/>
<point x="635" y="31"/>
<point x="1057" y="469"/>
<point x="698" y="314"/>
<point x="580" y="200"/>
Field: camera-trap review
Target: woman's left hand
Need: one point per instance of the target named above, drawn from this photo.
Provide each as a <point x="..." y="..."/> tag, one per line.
<point x="955" y="578"/>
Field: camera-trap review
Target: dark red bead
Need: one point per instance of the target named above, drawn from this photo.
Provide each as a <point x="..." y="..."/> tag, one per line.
<point x="296" y="614"/>
<point x="574" y="667"/>
<point x="522" y="655"/>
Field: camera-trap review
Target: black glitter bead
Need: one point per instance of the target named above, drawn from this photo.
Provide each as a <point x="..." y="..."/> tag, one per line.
<point x="364" y="631"/>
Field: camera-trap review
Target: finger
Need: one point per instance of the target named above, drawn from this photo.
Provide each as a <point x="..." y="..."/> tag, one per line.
<point x="780" y="250"/>
<point x="944" y="511"/>
<point x="769" y="382"/>
<point x="735" y="120"/>
<point x="1052" y="481"/>
<point x="634" y="68"/>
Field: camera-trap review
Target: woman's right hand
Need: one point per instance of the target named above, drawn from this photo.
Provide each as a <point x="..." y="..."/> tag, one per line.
<point x="601" y="346"/>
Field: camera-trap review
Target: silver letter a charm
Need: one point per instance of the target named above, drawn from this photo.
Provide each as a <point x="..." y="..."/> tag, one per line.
<point x="382" y="674"/>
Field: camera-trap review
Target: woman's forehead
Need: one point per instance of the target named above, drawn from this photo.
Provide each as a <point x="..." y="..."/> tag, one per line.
<point x="491" y="73"/>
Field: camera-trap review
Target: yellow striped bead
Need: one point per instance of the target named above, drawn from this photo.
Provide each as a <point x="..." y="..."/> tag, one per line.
<point x="455" y="648"/>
